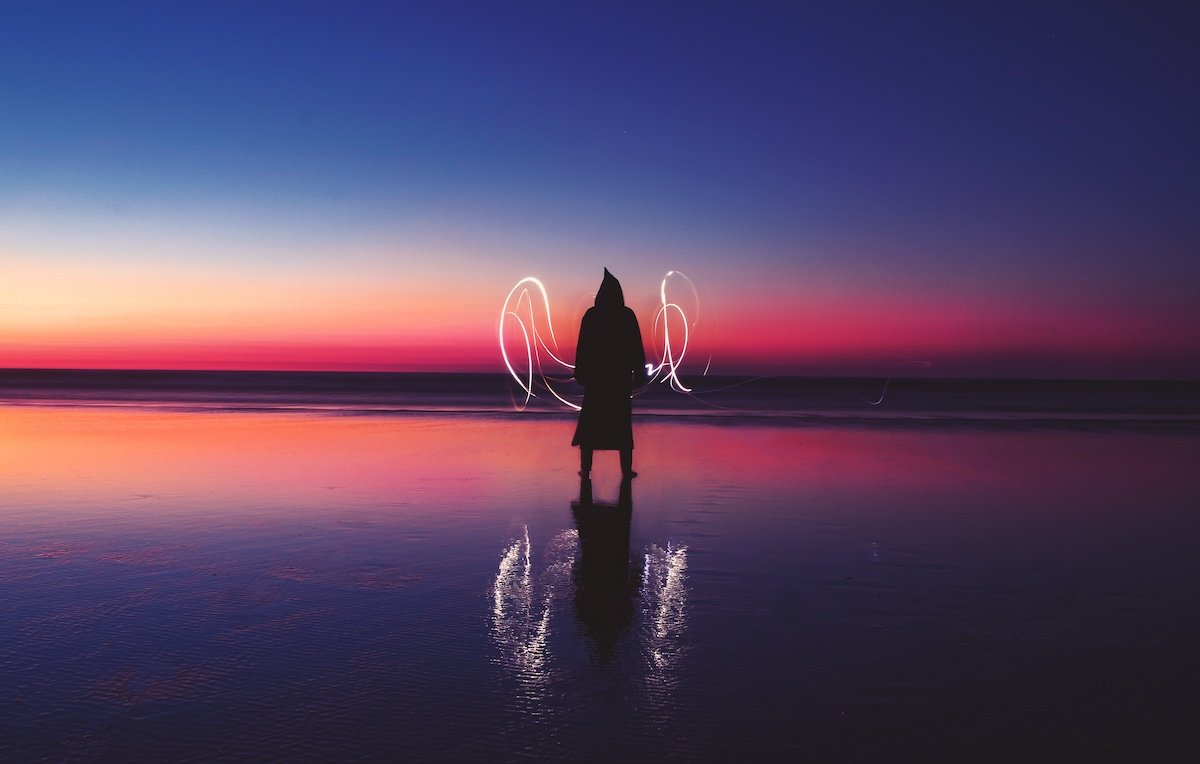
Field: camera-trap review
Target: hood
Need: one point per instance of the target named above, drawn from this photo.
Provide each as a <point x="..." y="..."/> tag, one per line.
<point x="610" y="294"/>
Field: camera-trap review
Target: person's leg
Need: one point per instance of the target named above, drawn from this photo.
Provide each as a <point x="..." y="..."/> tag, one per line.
<point x="585" y="461"/>
<point x="627" y="462"/>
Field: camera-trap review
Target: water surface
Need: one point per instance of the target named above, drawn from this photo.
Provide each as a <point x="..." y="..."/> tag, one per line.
<point x="182" y="585"/>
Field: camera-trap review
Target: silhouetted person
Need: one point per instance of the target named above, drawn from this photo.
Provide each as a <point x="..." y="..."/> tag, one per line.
<point x="609" y="362"/>
<point x="605" y="583"/>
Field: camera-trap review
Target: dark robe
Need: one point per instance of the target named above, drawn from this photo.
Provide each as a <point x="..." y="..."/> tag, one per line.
<point x="609" y="359"/>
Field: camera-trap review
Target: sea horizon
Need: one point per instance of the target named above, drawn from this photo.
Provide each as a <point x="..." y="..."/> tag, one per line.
<point x="779" y="398"/>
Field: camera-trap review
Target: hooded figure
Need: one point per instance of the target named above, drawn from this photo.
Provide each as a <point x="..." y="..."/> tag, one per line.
<point x="609" y="362"/>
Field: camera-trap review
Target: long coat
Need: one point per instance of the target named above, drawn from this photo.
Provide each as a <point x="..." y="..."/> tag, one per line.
<point x="609" y="358"/>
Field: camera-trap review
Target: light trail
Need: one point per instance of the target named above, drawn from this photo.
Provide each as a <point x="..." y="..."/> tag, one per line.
<point x="534" y="342"/>
<point x="667" y="369"/>
<point x="882" y="393"/>
<point x="534" y="377"/>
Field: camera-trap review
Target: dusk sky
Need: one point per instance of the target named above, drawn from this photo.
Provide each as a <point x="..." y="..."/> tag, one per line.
<point x="999" y="191"/>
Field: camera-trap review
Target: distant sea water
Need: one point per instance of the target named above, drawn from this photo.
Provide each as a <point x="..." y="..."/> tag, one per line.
<point x="784" y="400"/>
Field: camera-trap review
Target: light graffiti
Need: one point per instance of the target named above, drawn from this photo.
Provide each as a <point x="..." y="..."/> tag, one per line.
<point x="668" y="366"/>
<point x="528" y="301"/>
<point x="545" y="371"/>
<point x="535" y="343"/>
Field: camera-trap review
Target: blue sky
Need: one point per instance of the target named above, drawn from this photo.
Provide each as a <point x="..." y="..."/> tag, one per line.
<point x="942" y="152"/>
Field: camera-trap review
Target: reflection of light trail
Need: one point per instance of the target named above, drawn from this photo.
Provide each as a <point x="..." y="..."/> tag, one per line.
<point x="512" y="610"/>
<point x="513" y="579"/>
<point x="519" y="306"/>
<point x="524" y="603"/>
<point x="521" y="618"/>
<point x="666" y="597"/>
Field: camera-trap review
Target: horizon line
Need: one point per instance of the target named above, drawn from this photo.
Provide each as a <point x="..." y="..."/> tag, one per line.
<point x="503" y="373"/>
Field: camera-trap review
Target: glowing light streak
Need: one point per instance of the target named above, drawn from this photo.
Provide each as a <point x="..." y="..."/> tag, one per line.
<point x="665" y="581"/>
<point x="668" y="366"/>
<point x="533" y="378"/>
<point x="519" y="306"/>
<point x="513" y="585"/>
<point x="535" y="344"/>
<point x="879" y="400"/>
<point x="529" y="386"/>
<point x="522" y="604"/>
<point x="525" y="605"/>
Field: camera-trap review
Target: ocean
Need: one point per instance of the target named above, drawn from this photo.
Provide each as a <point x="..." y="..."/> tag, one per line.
<point x="786" y="400"/>
<point x="213" y="566"/>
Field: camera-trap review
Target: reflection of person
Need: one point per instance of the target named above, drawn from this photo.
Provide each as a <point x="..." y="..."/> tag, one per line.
<point x="609" y="361"/>
<point x="605" y="581"/>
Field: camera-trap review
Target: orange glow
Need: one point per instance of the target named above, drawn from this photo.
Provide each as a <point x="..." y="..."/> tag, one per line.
<point x="144" y="464"/>
<point x="90" y="458"/>
<point x="399" y="315"/>
<point x="55" y="316"/>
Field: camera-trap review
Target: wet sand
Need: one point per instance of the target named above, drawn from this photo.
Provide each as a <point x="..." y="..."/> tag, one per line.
<point x="206" y="586"/>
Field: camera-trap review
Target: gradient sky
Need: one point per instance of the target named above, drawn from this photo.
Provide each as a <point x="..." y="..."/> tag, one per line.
<point x="1006" y="191"/>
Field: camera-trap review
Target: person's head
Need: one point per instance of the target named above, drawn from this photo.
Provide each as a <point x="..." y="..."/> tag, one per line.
<point x="610" y="294"/>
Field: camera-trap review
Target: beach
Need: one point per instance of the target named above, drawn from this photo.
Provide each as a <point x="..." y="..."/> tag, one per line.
<point x="197" y="582"/>
<point x="311" y="317"/>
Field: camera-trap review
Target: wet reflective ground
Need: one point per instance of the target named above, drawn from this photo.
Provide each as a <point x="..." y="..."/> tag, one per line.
<point x="211" y="586"/>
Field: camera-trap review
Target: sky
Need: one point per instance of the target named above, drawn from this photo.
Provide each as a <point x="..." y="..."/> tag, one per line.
<point x="1003" y="191"/>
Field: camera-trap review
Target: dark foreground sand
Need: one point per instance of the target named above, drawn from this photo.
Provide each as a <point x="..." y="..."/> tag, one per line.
<point x="214" y="586"/>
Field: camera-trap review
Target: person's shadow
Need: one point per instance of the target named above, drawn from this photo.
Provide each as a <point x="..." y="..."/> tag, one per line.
<point x="605" y="582"/>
